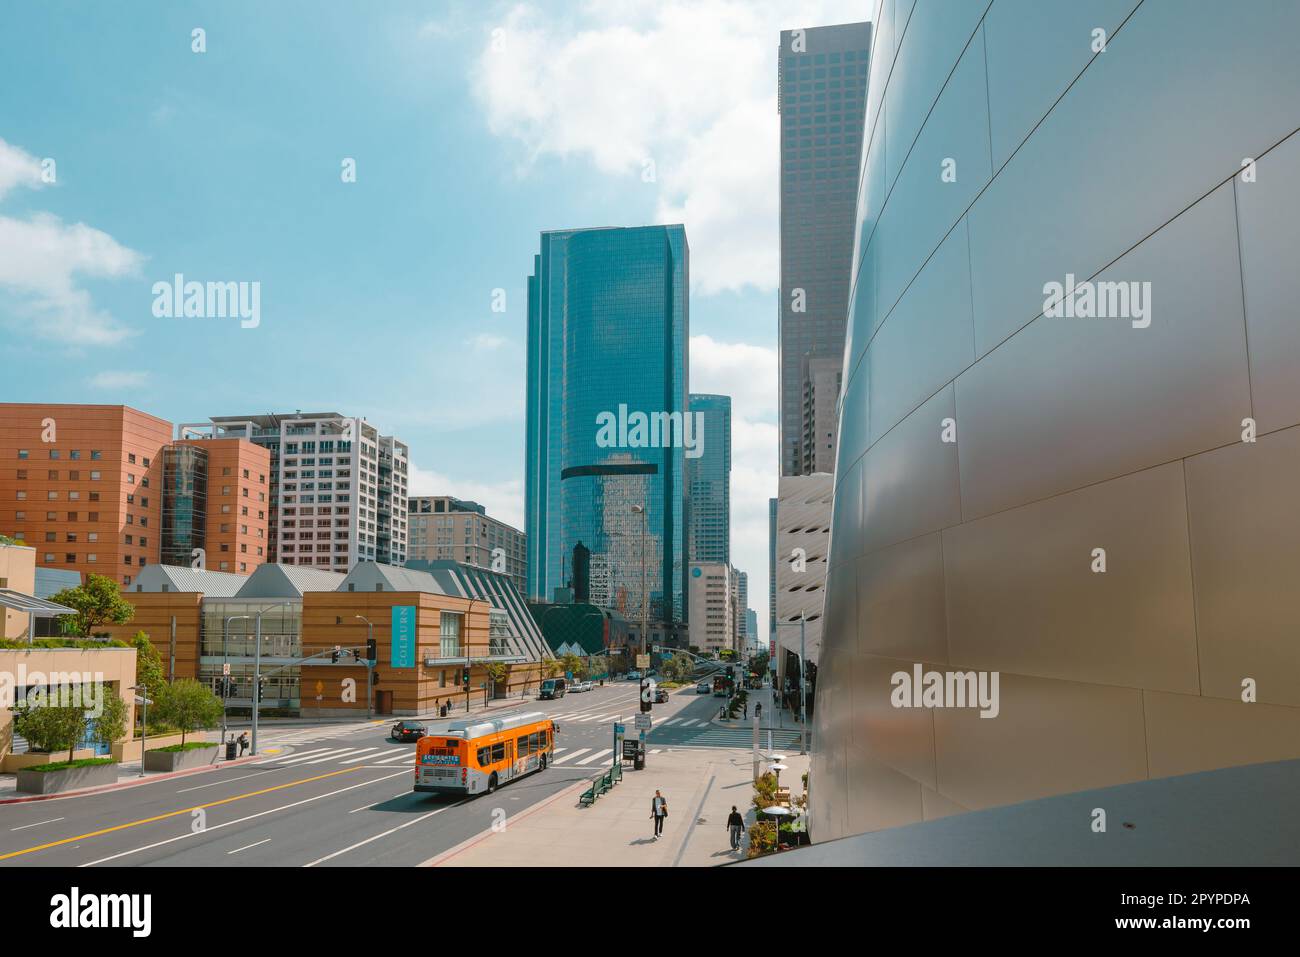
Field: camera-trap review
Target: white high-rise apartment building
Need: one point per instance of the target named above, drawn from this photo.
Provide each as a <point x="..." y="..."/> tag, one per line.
<point x="711" y="599"/>
<point x="338" y="487"/>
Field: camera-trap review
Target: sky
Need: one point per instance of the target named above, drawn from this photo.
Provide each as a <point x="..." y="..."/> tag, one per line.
<point x="127" y="156"/>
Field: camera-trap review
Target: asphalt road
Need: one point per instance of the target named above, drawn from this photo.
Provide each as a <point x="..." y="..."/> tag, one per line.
<point x="335" y="795"/>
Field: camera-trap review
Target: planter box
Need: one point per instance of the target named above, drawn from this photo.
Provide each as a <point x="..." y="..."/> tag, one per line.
<point x="181" y="760"/>
<point x="71" y="779"/>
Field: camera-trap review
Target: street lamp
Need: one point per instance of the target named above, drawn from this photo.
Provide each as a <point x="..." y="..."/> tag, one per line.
<point x="370" y="636"/>
<point x="225" y="665"/>
<point x="257" y="665"/>
<point x="803" y="682"/>
<point x="143" y="698"/>
<point x="645" y="598"/>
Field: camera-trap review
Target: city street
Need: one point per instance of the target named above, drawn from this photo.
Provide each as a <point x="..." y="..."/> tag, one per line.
<point x="339" y="794"/>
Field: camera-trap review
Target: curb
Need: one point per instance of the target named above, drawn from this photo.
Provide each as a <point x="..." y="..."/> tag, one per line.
<point x="122" y="785"/>
<point x="439" y="859"/>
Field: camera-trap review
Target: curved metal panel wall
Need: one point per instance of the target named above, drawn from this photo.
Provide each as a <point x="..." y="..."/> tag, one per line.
<point x="1005" y="150"/>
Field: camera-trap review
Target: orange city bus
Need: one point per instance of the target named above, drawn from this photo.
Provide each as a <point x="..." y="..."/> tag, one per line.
<point x="476" y="755"/>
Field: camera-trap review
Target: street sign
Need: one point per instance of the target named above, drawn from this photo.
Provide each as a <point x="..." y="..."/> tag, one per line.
<point x="225" y="669"/>
<point x="643" y="661"/>
<point x="641" y="722"/>
<point x="618" y="729"/>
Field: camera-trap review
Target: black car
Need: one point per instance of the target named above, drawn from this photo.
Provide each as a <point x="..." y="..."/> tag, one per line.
<point x="408" y="731"/>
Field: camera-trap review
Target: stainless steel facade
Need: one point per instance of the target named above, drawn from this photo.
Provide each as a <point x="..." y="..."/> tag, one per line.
<point x="1006" y="150"/>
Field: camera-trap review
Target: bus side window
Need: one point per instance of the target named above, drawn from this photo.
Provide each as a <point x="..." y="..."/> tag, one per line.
<point x="499" y="751"/>
<point x="532" y="742"/>
<point x="541" y="740"/>
<point x="522" y="749"/>
<point x="483" y="757"/>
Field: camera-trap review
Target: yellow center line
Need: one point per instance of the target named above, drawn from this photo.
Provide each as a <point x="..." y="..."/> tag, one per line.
<point x="163" y="817"/>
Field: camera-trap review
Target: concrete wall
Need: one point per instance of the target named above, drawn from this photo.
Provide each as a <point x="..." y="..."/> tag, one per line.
<point x="18" y="571"/>
<point x="1071" y="434"/>
<point x="112" y="666"/>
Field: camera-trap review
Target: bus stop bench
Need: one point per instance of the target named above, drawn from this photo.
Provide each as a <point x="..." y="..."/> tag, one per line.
<point x="599" y="785"/>
<point x="588" y="797"/>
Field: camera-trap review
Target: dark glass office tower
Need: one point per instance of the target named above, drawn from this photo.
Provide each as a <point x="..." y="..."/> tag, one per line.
<point x="608" y="416"/>
<point x="821" y="90"/>
<point x="710" y="481"/>
<point x="184" y="504"/>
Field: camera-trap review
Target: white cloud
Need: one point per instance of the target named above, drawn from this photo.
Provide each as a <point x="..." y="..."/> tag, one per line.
<point x="116" y="379"/>
<point x="503" y="500"/>
<point x="687" y="84"/>
<point x="486" y="342"/>
<point x="745" y="372"/>
<point x="41" y="259"/>
<point x="18" y="168"/>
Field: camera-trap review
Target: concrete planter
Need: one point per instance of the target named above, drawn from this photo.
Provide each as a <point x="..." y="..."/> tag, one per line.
<point x="71" y="779"/>
<point x="181" y="760"/>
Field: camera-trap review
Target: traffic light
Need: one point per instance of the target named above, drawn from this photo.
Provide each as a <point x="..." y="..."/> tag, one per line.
<point x="464" y="675"/>
<point x="261" y="686"/>
<point x="646" y="685"/>
<point x="370" y="650"/>
<point x="374" y="679"/>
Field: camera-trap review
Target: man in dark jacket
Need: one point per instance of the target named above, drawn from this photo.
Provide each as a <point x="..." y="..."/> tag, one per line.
<point x="658" y="811"/>
<point x="736" y="825"/>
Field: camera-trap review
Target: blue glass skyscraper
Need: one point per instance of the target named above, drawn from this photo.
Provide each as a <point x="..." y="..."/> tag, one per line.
<point x="710" y="481"/>
<point x="608" y="423"/>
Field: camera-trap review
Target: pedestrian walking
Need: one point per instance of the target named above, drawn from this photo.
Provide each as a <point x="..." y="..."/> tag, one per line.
<point x="658" y="811"/>
<point x="758" y="710"/>
<point x="243" y="743"/>
<point x="735" y="825"/>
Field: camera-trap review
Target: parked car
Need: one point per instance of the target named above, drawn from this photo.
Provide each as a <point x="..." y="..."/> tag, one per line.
<point x="553" y="688"/>
<point x="577" y="686"/>
<point x="634" y="676"/>
<point x="408" y="731"/>
<point x="704" y="687"/>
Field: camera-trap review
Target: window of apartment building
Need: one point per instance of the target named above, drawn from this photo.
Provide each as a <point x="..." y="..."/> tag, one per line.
<point x="22" y="517"/>
<point x="126" y="579"/>
<point x="127" y="559"/>
<point x="144" y="482"/>
<point x="130" y="457"/>
<point x="92" y="516"/>
<point x="130" y="539"/>
<point x="225" y="470"/>
<point x="52" y="496"/>
<point x="144" y="503"/>
<point x="243" y="510"/>
<point x="54" y="453"/>
<point x="245" y="473"/>
<point x="22" y="496"/>
<point x="49" y="558"/>
<point x="144" y="543"/>
<point x="225" y="509"/>
<point x="146" y="463"/>
<point x="94" y="476"/>
<point x="130" y="519"/>
<point x="449" y="644"/>
<point x="92" y="557"/>
<point x="22" y="474"/>
<point x="130" y="500"/>
<point x="74" y="496"/>
<point x="51" y="516"/>
<point x="70" y="558"/>
<point x="130" y="479"/>
<point x="96" y="455"/>
<point x="72" y="516"/>
<point x="92" y="536"/>
<point x="72" y="536"/>
<point x="224" y="566"/>
<point x="244" y="492"/>
<point x="51" y="537"/>
<point x="94" y="496"/>
<point x="74" y="476"/>
<point x="75" y="454"/>
<point x="144" y="519"/>
<point x="24" y="453"/>
<point x="52" y="475"/>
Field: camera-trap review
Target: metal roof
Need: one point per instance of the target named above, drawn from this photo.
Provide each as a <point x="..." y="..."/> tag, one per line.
<point x="181" y="578"/>
<point x="365" y="575"/>
<point x="31" y="605"/>
<point x="274" y="580"/>
<point x="51" y="581"/>
<point x="470" y="581"/>
<point x="477" y="727"/>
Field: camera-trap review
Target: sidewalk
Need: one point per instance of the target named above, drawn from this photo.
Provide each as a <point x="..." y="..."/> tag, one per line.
<point x="773" y="719"/>
<point x="701" y="786"/>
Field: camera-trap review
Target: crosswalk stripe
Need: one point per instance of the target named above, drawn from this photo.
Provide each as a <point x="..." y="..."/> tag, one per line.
<point x="690" y="723"/>
<point x="572" y="754"/>
<point x="346" y="753"/>
<point x="301" y="754"/>
<point x="395" y="757"/>
<point x="300" y="758"/>
<point x="670" y="722"/>
<point x="598" y="756"/>
<point x="559" y="750"/>
<point x="365" y="756"/>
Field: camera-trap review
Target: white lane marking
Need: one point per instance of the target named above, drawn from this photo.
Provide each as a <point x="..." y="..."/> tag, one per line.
<point x="391" y="830"/>
<point x="656" y="750"/>
<point x="572" y="754"/>
<point x="300" y="754"/>
<point x="687" y="724"/>
<point x="598" y="756"/>
<point x="225" y="781"/>
<point x="559" y="750"/>
<point x="315" y="756"/>
<point x="217" y="827"/>
<point x="405" y="755"/>
<point x="335" y="757"/>
<point x="247" y="846"/>
<point x="37" y="824"/>
<point x="670" y="722"/>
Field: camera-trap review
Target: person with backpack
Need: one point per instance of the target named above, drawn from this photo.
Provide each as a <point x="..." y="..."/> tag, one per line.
<point x="243" y="743"/>
<point x="658" y="811"/>
<point x="736" y="827"/>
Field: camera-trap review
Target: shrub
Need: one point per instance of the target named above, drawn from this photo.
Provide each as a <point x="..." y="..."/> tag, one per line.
<point x="191" y="746"/>
<point x="762" y="838"/>
<point x="188" y="706"/>
<point x="79" y="763"/>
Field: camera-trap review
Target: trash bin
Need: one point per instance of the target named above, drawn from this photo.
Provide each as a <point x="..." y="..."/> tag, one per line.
<point x="230" y="749"/>
<point x="638" y="763"/>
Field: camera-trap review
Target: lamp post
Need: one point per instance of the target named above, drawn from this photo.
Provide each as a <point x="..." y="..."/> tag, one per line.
<point x="645" y="598"/>
<point x="370" y="636"/>
<point x="257" y="665"/>
<point x="803" y="682"/>
<point x="225" y="662"/>
<point x="141" y="694"/>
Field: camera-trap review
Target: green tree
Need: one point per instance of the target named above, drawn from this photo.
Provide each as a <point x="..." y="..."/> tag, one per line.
<point x="148" y="663"/>
<point x="110" y="726"/>
<point x="572" y="663"/>
<point x="52" y="719"/>
<point x="98" y="602"/>
<point x="497" y="671"/>
<point x="187" y="706"/>
<point x="551" y="667"/>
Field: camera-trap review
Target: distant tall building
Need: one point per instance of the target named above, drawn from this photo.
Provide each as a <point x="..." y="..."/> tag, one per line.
<point x="821" y="90"/>
<point x="712" y="597"/>
<point x="742" y="605"/>
<point x="607" y="427"/>
<point x="710" y="481"/>
<point x="338" y="487"/>
<point x="771" y="573"/>
<point x="443" y="528"/>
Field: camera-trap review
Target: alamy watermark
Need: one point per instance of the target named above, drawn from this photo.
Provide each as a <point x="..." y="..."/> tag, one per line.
<point x="179" y="299"/>
<point x="651" y="430"/>
<point x="946" y="689"/>
<point x="1098" y="300"/>
<point x="59" y="689"/>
